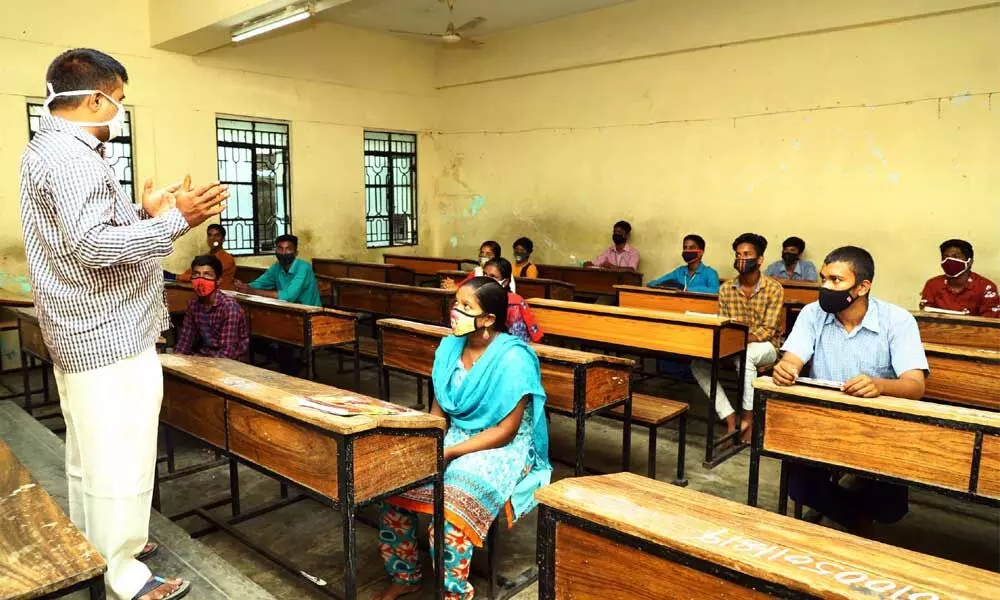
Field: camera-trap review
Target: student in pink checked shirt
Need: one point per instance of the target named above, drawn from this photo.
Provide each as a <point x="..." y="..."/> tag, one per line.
<point x="620" y="256"/>
<point x="214" y="324"/>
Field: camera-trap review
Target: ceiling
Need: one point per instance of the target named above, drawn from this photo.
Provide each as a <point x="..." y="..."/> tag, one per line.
<point x="431" y="16"/>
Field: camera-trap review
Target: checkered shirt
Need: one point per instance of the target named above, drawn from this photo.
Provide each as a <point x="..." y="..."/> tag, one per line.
<point x="93" y="255"/>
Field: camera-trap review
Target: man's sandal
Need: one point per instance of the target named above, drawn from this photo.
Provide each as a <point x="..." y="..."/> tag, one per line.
<point x="148" y="550"/>
<point x="157" y="581"/>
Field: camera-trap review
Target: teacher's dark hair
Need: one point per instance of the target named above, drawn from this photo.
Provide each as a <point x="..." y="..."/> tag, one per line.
<point x="492" y="299"/>
<point x="82" y="69"/>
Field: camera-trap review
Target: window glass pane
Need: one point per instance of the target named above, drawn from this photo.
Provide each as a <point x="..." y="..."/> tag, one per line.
<point x="390" y="188"/>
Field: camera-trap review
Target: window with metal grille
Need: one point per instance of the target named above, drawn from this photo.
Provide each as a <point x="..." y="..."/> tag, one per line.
<point x="118" y="152"/>
<point x="390" y="189"/>
<point x="254" y="162"/>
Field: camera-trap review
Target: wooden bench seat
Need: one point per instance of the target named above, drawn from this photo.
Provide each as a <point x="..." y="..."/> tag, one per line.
<point x="652" y="412"/>
<point x="44" y="554"/>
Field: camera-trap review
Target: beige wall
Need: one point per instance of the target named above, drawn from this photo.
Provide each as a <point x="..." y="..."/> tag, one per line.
<point x="718" y="117"/>
<point x="329" y="82"/>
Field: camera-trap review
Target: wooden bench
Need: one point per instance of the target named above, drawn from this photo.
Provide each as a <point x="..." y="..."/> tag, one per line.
<point x="652" y="413"/>
<point x="381" y="272"/>
<point x="946" y="449"/>
<point x="34" y="351"/>
<point x="955" y="330"/>
<point x="963" y="375"/>
<point x="590" y="281"/>
<point x="427" y="305"/>
<point x="624" y="536"/>
<point x="527" y="287"/>
<point x="255" y="417"/>
<point x="427" y="267"/>
<point x="577" y="384"/>
<point x="658" y="333"/>
<point x="42" y="554"/>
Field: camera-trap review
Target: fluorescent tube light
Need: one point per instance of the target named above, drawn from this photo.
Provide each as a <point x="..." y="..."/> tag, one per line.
<point x="271" y="22"/>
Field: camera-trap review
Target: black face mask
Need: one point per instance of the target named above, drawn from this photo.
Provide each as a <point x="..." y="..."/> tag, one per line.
<point x="689" y="256"/>
<point x="285" y="260"/>
<point x="834" y="301"/>
<point x="618" y="239"/>
<point x="789" y="258"/>
<point x="745" y="265"/>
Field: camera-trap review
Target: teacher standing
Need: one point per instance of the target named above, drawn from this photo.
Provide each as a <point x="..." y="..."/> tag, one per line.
<point x="94" y="261"/>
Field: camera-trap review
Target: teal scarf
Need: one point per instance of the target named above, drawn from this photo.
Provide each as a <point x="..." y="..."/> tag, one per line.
<point x="506" y="372"/>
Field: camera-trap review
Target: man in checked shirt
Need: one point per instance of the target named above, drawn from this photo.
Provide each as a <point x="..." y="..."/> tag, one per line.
<point x="94" y="262"/>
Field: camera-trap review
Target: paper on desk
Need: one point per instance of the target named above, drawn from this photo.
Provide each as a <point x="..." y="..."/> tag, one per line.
<point x="945" y="311"/>
<point x="347" y="406"/>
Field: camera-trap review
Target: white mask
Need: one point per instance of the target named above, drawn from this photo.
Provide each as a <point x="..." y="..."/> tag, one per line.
<point x="116" y="126"/>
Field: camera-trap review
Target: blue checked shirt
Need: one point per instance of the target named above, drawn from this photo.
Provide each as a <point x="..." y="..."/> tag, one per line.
<point x="93" y="255"/>
<point x="804" y="270"/>
<point x="884" y="346"/>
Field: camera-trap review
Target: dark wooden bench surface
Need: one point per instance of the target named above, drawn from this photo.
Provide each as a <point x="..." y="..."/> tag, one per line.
<point x="625" y="536"/>
<point x="651" y="410"/>
<point x="41" y="551"/>
<point x="957" y="330"/>
<point x="963" y="375"/>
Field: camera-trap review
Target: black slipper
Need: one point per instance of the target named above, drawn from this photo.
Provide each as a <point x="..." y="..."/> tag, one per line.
<point x="145" y="554"/>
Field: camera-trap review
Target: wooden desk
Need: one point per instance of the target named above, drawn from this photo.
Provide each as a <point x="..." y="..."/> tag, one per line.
<point x="679" y="301"/>
<point x="428" y="265"/>
<point x="590" y="280"/>
<point x="44" y="554"/>
<point x="526" y="287"/>
<point x="632" y="296"/>
<point x="651" y="331"/>
<point x="802" y="292"/>
<point x="33" y="348"/>
<point x="12" y="299"/>
<point x="308" y="327"/>
<point x="254" y="417"/>
<point x="948" y="449"/>
<point x="246" y="273"/>
<point x="427" y="305"/>
<point x="577" y="384"/>
<point x="384" y="273"/>
<point x="966" y="376"/>
<point x="624" y="536"/>
<point x="955" y="330"/>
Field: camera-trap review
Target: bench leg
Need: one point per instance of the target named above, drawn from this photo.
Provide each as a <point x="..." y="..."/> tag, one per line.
<point x="798" y="511"/>
<point x="168" y="441"/>
<point x="491" y="558"/>
<point x="97" y="589"/>
<point x="420" y="392"/>
<point x="654" y="434"/>
<point x="581" y="436"/>
<point x="234" y="485"/>
<point x="783" y="489"/>
<point x="45" y="383"/>
<point x="681" y="446"/>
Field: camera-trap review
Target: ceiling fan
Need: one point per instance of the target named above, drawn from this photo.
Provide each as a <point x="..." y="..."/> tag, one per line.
<point x="453" y="37"/>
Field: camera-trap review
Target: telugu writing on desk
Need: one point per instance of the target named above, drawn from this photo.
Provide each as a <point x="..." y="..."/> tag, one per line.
<point x="868" y="583"/>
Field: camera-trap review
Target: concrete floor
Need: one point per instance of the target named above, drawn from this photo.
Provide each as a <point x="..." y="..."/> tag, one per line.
<point x="309" y="534"/>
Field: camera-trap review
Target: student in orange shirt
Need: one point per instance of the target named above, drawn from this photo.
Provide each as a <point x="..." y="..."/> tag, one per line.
<point x="216" y="235"/>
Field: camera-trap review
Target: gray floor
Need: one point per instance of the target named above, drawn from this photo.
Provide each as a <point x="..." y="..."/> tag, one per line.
<point x="309" y="534"/>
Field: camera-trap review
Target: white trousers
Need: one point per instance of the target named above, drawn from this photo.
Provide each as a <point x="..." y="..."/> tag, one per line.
<point x="758" y="354"/>
<point x="111" y="418"/>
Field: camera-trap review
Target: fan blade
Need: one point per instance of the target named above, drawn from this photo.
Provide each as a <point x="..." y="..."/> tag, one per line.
<point x="416" y="33"/>
<point x="470" y="25"/>
<point x="465" y="44"/>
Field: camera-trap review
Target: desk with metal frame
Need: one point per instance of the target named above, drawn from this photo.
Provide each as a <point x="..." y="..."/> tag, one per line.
<point x="625" y="536"/>
<point x="957" y="330"/>
<point x="33" y="349"/>
<point x="381" y="272"/>
<point x="963" y="375"/>
<point x="591" y="281"/>
<point x="527" y="287"/>
<point x="310" y="328"/>
<point x="254" y="417"/>
<point x="426" y="267"/>
<point x="951" y="450"/>
<point x="577" y="384"/>
<point x="654" y="332"/>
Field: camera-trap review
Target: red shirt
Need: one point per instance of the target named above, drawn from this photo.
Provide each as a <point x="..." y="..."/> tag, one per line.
<point x="979" y="297"/>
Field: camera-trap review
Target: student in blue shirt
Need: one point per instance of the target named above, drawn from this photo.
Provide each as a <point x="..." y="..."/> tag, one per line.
<point x="873" y="348"/>
<point x="289" y="279"/>
<point x="694" y="276"/>
<point x="792" y="265"/>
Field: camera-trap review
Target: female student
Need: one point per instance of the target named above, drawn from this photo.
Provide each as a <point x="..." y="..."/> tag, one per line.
<point x="523" y="267"/>
<point x="488" y="385"/>
<point x="487" y="252"/>
<point x="520" y="320"/>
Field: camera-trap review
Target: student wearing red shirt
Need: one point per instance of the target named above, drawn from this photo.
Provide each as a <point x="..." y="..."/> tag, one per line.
<point x="960" y="289"/>
<point x="521" y="321"/>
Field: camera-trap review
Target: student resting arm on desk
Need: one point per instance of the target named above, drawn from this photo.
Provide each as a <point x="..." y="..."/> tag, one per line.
<point x="488" y="386"/>
<point x="694" y="276"/>
<point x="960" y="289"/>
<point x="874" y="348"/>
<point x="289" y="279"/>
<point x="620" y="256"/>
